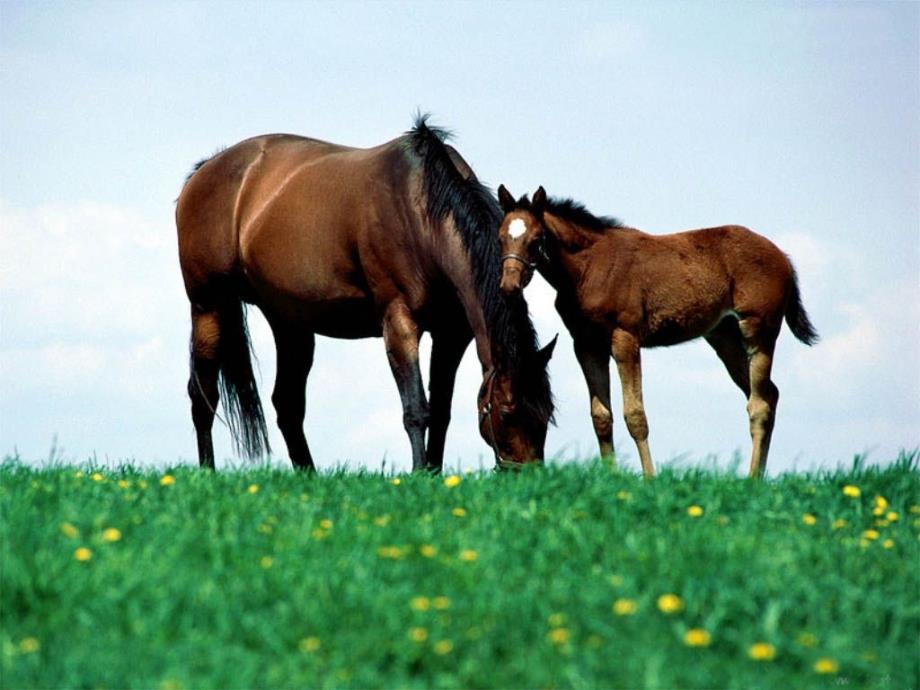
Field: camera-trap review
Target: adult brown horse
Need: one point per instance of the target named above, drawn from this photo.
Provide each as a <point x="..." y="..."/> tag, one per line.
<point x="393" y="240"/>
<point x="620" y="289"/>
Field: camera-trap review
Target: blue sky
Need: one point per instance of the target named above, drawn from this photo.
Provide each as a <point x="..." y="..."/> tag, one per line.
<point x="799" y="120"/>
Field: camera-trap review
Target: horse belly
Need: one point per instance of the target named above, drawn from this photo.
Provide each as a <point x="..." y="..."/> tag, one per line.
<point x="685" y="314"/>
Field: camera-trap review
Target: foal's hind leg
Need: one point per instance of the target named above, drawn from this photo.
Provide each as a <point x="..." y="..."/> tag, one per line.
<point x="202" y="383"/>
<point x="625" y="347"/>
<point x="400" y="334"/>
<point x="727" y="341"/>
<point x="764" y="394"/>
<point x="595" y="365"/>
<point x="295" y="358"/>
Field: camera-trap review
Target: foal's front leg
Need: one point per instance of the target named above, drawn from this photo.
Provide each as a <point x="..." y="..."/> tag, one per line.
<point x="626" y="351"/>
<point x="400" y="334"/>
<point x="595" y="365"/>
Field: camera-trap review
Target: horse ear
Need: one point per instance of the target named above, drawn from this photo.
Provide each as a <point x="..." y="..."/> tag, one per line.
<point x="539" y="202"/>
<point x="505" y="199"/>
<point x="546" y="352"/>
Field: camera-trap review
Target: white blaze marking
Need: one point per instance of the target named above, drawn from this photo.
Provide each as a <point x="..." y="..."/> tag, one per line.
<point x="517" y="228"/>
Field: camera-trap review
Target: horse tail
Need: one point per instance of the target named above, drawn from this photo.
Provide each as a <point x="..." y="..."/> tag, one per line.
<point x="238" y="390"/>
<point x="796" y="317"/>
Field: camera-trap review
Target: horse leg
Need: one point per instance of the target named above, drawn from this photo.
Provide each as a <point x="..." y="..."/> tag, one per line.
<point x="447" y="350"/>
<point x="764" y="394"/>
<point x="727" y="341"/>
<point x="595" y="365"/>
<point x="295" y="358"/>
<point x="202" y="384"/>
<point x="400" y="334"/>
<point x="626" y="351"/>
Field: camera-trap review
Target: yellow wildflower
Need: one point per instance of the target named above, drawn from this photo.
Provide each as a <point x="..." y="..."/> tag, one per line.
<point x="124" y="483"/>
<point x="167" y="480"/>
<point x="83" y="554"/>
<point x="441" y="603"/>
<point x="892" y="516"/>
<point x="443" y="647"/>
<point x="418" y="634"/>
<point x="888" y="543"/>
<point x="468" y="555"/>
<point x="851" y="491"/>
<point x="697" y="637"/>
<point x="382" y="520"/>
<point x="111" y="534"/>
<point x="694" y="511"/>
<point x="253" y="489"/>
<point x="458" y="512"/>
<point x="624" y="495"/>
<point x="558" y="635"/>
<point x="97" y="477"/>
<point x="325" y="523"/>
<point x="420" y="603"/>
<point x="881" y="502"/>
<point x="452" y="481"/>
<point x="762" y="651"/>
<point x="78" y="474"/>
<point x="28" y="645"/>
<point x="624" y="607"/>
<point x="319" y="533"/>
<point x="915" y="509"/>
<point x="878" y="510"/>
<point x="809" y="519"/>
<point x="392" y="552"/>
<point x="670" y="603"/>
<point x="309" y="644"/>
<point x="395" y="481"/>
<point x="870" y="534"/>
<point x="826" y="665"/>
<point x="427" y="550"/>
<point x="839" y="523"/>
<point x="266" y="562"/>
<point x="69" y="530"/>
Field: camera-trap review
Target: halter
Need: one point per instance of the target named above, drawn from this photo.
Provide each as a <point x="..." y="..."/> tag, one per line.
<point x="485" y="412"/>
<point x="529" y="265"/>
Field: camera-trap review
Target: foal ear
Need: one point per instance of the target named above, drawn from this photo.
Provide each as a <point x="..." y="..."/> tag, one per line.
<point x="505" y="199"/>
<point x="539" y="202"/>
<point x="546" y="352"/>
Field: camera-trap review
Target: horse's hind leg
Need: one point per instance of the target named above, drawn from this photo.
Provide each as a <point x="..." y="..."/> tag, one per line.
<point x="764" y="394"/>
<point x="595" y="365"/>
<point x="727" y="341"/>
<point x="625" y="347"/>
<point x="447" y="350"/>
<point x="202" y="383"/>
<point x="400" y="334"/>
<point x="295" y="358"/>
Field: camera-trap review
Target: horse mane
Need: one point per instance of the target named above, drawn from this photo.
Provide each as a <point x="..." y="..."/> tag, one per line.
<point x="477" y="215"/>
<point x="575" y="212"/>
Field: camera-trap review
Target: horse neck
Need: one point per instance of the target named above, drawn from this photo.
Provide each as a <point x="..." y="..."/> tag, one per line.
<point x="569" y="249"/>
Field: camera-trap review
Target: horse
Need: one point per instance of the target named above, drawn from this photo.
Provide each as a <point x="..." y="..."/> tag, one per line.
<point x="392" y="241"/>
<point x="620" y="289"/>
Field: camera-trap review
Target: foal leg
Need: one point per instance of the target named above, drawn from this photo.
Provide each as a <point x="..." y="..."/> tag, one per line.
<point x="295" y="358"/>
<point x="202" y="383"/>
<point x="400" y="334"/>
<point x="764" y="394"/>
<point x="447" y="350"/>
<point x="727" y="341"/>
<point x="625" y="347"/>
<point x="595" y="365"/>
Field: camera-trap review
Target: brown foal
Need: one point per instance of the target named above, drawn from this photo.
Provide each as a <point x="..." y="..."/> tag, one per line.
<point x="620" y="289"/>
<point x="389" y="241"/>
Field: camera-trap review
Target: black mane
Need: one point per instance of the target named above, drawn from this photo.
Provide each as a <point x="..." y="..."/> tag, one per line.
<point x="477" y="215"/>
<point x="571" y="210"/>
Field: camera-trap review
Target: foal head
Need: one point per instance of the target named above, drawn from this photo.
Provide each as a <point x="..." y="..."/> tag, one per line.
<point x="522" y="238"/>
<point x="515" y="409"/>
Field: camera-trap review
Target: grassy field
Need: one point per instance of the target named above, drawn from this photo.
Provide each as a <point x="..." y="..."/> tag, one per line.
<point x="568" y="576"/>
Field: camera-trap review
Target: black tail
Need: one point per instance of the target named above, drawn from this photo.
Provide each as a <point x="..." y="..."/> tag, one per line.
<point x="796" y="317"/>
<point x="238" y="390"/>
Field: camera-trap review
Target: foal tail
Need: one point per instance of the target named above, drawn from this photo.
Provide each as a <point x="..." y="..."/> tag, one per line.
<point x="796" y="317"/>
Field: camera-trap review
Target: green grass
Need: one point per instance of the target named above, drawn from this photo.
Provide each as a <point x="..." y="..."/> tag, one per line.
<point x="214" y="584"/>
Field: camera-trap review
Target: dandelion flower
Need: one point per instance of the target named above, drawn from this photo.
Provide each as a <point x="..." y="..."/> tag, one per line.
<point x="458" y="512"/>
<point x="167" y="480"/>
<point x="624" y="607"/>
<point x="851" y="491"/>
<point x="624" y="495"/>
<point x="97" y="477"/>
<point x="888" y="543"/>
<point x="915" y="510"/>
<point x="441" y="603"/>
<point x="392" y="552"/>
<point x="452" y="481"/>
<point x="443" y="647"/>
<point x="28" y="645"/>
<point x="839" y="523"/>
<point x="111" y="534"/>
<point x="418" y="634"/>
<point x="762" y="651"/>
<point x="870" y="534"/>
<point x="420" y="603"/>
<point x="325" y="523"/>
<point x="697" y="637"/>
<point x="253" y="489"/>
<point x="670" y="603"/>
<point x="83" y="554"/>
<point x="881" y="502"/>
<point x="892" y="516"/>
<point x="395" y="481"/>
<point x="558" y="635"/>
<point x="809" y="519"/>
<point x="69" y="530"/>
<point x="825" y="665"/>
<point x="427" y="550"/>
<point x="124" y="483"/>
<point x="694" y="511"/>
<point x="309" y="644"/>
<point x="382" y="520"/>
<point x="266" y="562"/>
<point x="468" y="555"/>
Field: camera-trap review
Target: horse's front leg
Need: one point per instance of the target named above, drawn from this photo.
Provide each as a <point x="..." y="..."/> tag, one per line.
<point x="594" y="359"/>
<point x="625" y="348"/>
<point x="447" y="348"/>
<point x="400" y="335"/>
